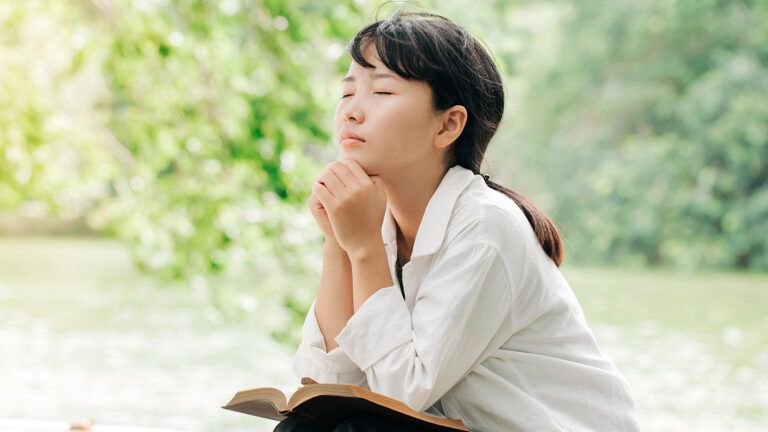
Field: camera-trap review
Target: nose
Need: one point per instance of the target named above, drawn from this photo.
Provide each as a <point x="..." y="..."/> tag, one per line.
<point x="352" y="111"/>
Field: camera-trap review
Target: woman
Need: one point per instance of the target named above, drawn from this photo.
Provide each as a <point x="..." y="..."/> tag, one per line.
<point x="440" y="287"/>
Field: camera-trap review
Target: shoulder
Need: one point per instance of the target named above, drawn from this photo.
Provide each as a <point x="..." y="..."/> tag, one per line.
<point x="483" y="215"/>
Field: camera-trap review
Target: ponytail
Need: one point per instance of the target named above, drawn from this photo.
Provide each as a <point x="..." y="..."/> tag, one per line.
<point x="543" y="226"/>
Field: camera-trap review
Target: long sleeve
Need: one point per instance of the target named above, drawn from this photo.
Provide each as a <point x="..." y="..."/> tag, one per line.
<point x="312" y="360"/>
<point x="418" y="356"/>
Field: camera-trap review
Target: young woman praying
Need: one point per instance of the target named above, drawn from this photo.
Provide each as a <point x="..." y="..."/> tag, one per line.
<point x="440" y="287"/>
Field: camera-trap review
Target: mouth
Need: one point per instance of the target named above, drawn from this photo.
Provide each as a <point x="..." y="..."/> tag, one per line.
<point x="349" y="142"/>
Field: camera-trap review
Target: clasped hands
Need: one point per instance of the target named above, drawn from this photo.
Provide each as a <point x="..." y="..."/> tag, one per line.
<point x="349" y="206"/>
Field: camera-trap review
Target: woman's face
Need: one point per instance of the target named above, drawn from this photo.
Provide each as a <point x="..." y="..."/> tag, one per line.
<point x="391" y="115"/>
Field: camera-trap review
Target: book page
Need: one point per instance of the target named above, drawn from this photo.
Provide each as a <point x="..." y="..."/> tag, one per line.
<point x="288" y="391"/>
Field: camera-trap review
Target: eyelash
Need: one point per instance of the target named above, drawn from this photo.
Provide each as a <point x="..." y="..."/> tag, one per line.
<point x="387" y="93"/>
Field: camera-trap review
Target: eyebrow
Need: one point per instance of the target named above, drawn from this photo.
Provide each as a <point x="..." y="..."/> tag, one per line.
<point x="350" y="78"/>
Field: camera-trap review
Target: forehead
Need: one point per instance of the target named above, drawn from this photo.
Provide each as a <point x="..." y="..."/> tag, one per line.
<point x="373" y="74"/>
<point x="378" y="71"/>
<point x="371" y="55"/>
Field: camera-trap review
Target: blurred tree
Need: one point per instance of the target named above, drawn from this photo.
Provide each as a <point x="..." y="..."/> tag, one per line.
<point x="192" y="129"/>
<point x="52" y="159"/>
<point x="225" y="106"/>
<point x="219" y="105"/>
<point x="646" y="126"/>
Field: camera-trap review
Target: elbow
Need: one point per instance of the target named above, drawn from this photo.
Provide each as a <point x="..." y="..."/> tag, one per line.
<point x="323" y="367"/>
<point x="305" y="364"/>
<point x="415" y="388"/>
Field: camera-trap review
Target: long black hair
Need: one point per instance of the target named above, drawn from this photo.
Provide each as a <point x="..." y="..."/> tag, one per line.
<point x="428" y="47"/>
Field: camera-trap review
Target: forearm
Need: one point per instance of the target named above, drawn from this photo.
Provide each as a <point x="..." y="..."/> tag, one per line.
<point x="370" y="273"/>
<point x="334" y="307"/>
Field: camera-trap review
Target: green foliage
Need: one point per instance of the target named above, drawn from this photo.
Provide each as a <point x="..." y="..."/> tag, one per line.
<point x="221" y="103"/>
<point x="648" y="127"/>
<point x="184" y="127"/>
<point x="191" y="129"/>
<point x="51" y="158"/>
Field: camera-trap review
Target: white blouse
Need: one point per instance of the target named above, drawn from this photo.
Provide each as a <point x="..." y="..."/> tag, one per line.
<point x="489" y="331"/>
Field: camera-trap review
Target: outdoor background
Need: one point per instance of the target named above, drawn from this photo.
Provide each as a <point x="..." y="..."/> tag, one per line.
<point x="156" y="254"/>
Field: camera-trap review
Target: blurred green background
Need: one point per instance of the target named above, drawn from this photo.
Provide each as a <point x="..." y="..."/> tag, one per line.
<point x="156" y="254"/>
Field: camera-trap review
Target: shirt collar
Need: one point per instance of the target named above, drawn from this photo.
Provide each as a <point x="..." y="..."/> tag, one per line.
<point x="433" y="224"/>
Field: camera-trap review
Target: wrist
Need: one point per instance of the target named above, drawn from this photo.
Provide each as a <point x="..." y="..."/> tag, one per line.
<point x="366" y="253"/>
<point x="332" y="247"/>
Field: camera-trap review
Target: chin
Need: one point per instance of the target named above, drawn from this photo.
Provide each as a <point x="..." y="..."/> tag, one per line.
<point x="370" y="168"/>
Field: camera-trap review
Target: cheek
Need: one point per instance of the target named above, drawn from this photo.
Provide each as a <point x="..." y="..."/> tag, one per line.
<point x="402" y="117"/>
<point x="412" y="127"/>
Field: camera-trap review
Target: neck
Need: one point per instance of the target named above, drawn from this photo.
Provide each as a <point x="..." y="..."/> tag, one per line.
<point x="408" y="193"/>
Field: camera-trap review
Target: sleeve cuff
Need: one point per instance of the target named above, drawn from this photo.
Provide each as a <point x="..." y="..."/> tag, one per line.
<point x="380" y="325"/>
<point x="314" y="349"/>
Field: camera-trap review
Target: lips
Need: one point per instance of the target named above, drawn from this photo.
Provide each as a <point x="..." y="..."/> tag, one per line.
<point x="348" y="138"/>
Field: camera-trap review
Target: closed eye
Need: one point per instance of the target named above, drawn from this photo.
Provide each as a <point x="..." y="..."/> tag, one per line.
<point x="378" y="93"/>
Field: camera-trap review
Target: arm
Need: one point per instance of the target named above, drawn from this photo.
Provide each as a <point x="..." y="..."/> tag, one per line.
<point x="333" y="307"/>
<point x="370" y="273"/>
<point x="355" y="203"/>
<point x="315" y="357"/>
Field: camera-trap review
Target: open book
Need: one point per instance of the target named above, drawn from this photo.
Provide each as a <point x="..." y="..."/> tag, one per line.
<point x="334" y="403"/>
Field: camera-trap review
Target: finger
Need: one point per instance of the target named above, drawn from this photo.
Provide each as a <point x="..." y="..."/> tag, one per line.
<point x="331" y="181"/>
<point x="343" y="172"/>
<point x="314" y="201"/>
<point x="356" y="170"/>
<point x="324" y="195"/>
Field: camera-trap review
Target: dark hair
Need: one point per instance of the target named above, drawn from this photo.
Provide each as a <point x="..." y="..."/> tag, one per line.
<point x="428" y="47"/>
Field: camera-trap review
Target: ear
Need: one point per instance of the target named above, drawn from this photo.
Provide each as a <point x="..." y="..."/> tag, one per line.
<point x="452" y="122"/>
